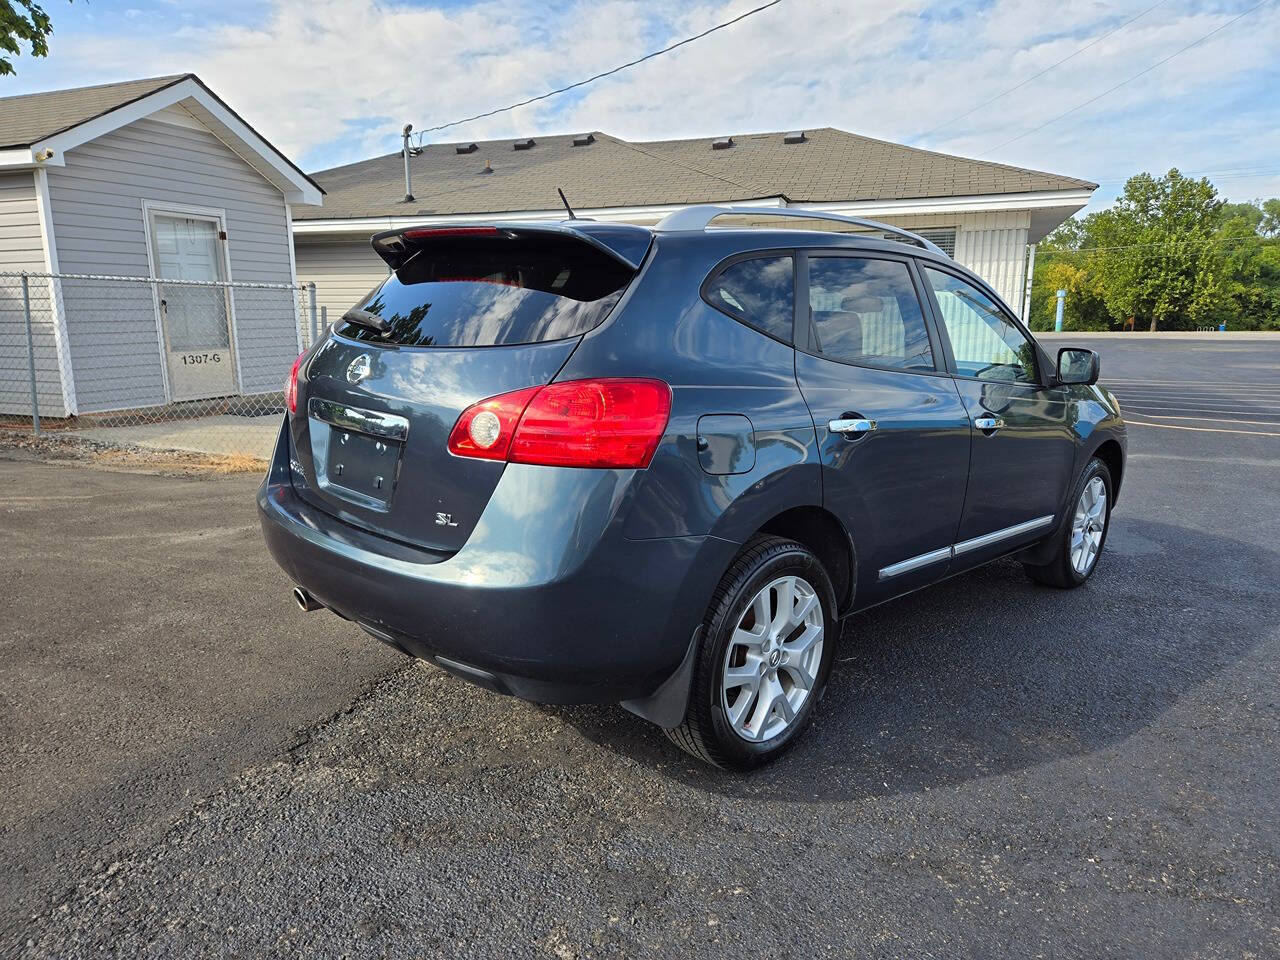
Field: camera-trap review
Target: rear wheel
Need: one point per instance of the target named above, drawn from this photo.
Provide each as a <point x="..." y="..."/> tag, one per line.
<point x="1079" y="543"/>
<point x="766" y="649"/>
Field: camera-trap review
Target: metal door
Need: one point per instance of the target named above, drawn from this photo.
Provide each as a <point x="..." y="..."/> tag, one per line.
<point x="194" y="317"/>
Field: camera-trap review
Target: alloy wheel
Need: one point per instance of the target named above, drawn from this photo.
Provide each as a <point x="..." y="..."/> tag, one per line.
<point x="1088" y="526"/>
<point x="772" y="661"/>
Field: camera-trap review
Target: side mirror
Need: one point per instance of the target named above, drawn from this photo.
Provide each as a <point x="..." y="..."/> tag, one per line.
<point x="1077" y="365"/>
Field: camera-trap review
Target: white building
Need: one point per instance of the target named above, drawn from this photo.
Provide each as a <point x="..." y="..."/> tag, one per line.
<point x="147" y="178"/>
<point x="984" y="214"/>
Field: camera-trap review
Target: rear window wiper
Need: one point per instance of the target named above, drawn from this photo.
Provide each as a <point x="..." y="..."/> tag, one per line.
<point x="364" y="318"/>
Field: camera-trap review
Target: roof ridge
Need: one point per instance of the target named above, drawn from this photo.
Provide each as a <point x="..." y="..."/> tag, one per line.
<point x="954" y="156"/>
<point x="166" y="79"/>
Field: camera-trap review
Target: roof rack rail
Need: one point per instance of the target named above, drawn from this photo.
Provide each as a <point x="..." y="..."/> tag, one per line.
<point x="699" y="217"/>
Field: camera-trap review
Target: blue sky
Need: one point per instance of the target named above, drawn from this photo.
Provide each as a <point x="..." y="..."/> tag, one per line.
<point x="330" y="82"/>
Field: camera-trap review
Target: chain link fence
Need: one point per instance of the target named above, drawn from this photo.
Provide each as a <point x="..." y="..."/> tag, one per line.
<point x="144" y="362"/>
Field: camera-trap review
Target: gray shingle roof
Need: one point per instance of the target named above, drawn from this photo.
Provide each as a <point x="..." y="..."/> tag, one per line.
<point x="830" y="165"/>
<point x="29" y="118"/>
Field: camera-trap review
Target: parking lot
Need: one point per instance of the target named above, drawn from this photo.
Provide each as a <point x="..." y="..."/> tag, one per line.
<point x="192" y="767"/>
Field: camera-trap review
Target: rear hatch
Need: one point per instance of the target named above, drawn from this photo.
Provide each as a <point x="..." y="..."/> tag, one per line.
<point x="467" y="314"/>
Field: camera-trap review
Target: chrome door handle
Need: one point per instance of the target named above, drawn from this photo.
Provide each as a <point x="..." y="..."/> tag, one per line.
<point x="988" y="423"/>
<point x="851" y="427"/>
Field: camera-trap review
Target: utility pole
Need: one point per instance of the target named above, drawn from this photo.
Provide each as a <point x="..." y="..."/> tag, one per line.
<point x="408" y="183"/>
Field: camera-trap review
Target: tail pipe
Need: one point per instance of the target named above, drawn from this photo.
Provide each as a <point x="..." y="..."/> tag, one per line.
<point x="305" y="601"/>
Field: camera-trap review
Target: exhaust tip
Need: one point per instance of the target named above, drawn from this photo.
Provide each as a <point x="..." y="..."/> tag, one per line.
<point x="305" y="601"/>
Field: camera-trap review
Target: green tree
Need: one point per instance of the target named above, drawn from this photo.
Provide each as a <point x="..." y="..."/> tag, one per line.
<point x="1251" y="251"/>
<point x="22" y="21"/>
<point x="1161" y="266"/>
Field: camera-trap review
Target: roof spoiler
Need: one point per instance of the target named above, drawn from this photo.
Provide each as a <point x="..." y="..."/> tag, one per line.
<point x="623" y="242"/>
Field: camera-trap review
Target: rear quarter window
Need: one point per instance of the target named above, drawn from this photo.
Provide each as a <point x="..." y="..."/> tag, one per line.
<point x="759" y="291"/>
<point x="481" y="292"/>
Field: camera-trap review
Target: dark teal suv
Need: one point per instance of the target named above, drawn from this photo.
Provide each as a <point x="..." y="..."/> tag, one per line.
<point x="592" y="462"/>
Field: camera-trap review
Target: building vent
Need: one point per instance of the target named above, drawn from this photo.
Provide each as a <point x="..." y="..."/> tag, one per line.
<point x="523" y="144"/>
<point x="794" y="137"/>
<point x="488" y="167"/>
<point x="944" y="237"/>
<point x="465" y="148"/>
<point x="585" y="140"/>
<point x="724" y="143"/>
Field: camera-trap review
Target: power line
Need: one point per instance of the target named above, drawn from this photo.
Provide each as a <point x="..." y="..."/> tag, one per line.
<point x="1141" y="73"/>
<point x="601" y="76"/>
<point x="1016" y="86"/>
<point x="1049" y="251"/>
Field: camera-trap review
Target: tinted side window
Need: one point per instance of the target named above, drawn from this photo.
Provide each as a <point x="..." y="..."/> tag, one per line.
<point x="864" y="310"/>
<point x="985" y="344"/>
<point x="760" y="291"/>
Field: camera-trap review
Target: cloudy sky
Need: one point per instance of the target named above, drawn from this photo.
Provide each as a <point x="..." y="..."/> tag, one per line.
<point x="331" y="81"/>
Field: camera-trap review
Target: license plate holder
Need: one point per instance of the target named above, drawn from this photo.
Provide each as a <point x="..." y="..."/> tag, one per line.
<point x="363" y="465"/>
<point x="357" y="451"/>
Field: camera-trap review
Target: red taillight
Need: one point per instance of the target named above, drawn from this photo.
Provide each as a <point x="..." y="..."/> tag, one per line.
<point x="477" y="435"/>
<point x="609" y="422"/>
<point x="291" y="387"/>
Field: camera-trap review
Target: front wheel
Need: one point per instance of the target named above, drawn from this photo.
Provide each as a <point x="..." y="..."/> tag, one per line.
<point x="1079" y="543"/>
<point x="767" y="645"/>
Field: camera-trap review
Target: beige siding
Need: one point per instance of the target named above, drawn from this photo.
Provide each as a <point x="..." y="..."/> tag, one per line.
<point x="99" y="228"/>
<point x="992" y="245"/>
<point x="22" y="249"/>
<point x="344" y="271"/>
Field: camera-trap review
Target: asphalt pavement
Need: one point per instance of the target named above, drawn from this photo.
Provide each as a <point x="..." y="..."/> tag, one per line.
<point x="193" y="768"/>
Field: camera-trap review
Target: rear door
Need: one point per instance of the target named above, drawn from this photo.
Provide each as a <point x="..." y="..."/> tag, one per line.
<point x="1023" y="441"/>
<point x="892" y="429"/>
<point x="470" y="315"/>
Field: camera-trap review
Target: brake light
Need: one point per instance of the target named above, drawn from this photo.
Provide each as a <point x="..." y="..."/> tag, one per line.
<point x="607" y="422"/>
<point x="291" y="386"/>
<point x="426" y="233"/>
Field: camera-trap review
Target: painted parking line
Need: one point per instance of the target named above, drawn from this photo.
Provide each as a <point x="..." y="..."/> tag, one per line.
<point x="1190" y="383"/>
<point x="1174" y="426"/>
<point x="1170" y="416"/>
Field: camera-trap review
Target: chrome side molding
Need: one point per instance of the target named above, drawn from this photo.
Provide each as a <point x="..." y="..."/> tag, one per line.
<point x="964" y="546"/>
<point x="996" y="536"/>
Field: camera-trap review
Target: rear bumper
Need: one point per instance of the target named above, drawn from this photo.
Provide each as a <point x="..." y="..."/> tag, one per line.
<point x="546" y="601"/>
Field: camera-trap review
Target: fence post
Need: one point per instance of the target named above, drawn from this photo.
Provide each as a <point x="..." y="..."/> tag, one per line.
<point x="311" y="306"/>
<point x="31" y="355"/>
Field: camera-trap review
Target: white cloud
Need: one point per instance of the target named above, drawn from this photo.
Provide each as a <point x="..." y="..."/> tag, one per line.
<point x="332" y="81"/>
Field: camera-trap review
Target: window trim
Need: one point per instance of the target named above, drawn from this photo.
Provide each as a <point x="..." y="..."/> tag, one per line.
<point x="1003" y="308"/>
<point x="801" y="325"/>
<point x="772" y="253"/>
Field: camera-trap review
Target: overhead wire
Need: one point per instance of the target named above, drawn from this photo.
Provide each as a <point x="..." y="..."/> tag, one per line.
<point x="599" y="76"/>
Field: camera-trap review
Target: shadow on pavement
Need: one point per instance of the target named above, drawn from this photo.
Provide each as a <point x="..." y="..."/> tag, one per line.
<point x="987" y="673"/>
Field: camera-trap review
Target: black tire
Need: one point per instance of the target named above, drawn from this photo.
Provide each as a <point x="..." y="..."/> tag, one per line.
<point x="1060" y="572"/>
<point x="706" y="731"/>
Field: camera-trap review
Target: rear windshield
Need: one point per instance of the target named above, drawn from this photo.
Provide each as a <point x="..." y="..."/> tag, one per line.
<point x="484" y="291"/>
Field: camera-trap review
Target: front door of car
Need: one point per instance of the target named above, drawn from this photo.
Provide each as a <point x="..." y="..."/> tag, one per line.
<point x="1023" y="442"/>
<point x="892" y="430"/>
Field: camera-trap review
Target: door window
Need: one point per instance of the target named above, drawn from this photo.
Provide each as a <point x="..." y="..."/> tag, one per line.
<point x="186" y="248"/>
<point x="759" y="292"/>
<point x="985" y="343"/>
<point x="865" y="310"/>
